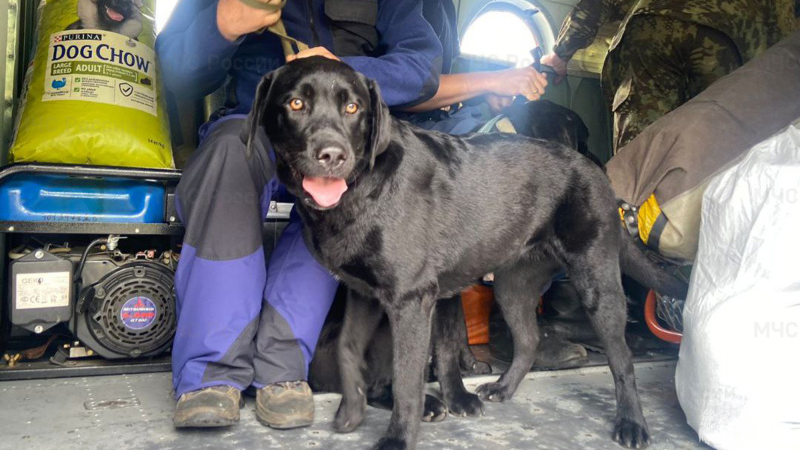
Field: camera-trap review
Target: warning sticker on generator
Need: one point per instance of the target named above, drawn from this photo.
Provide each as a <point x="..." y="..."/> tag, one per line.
<point x="138" y="313"/>
<point x="42" y="290"/>
<point x="102" y="67"/>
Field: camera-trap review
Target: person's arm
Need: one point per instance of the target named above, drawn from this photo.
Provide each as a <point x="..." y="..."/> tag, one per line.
<point x="580" y="28"/>
<point x="408" y="71"/>
<point x="456" y="88"/>
<point x="196" y="45"/>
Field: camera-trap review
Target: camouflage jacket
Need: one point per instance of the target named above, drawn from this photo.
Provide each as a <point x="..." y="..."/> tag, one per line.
<point x="753" y="25"/>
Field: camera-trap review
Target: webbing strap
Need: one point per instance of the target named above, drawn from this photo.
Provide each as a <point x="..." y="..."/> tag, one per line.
<point x="500" y="122"/>
<point x="278" y="29"/>
<point x="266" y="6"/>
<point x="504" y="125"/>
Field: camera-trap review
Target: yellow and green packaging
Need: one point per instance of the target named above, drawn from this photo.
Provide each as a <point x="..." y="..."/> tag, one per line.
<point x="92" y="93"/>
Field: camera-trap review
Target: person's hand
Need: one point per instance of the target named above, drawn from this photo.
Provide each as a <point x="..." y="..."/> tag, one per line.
<point x="497" y="103"/>
<point x="313" y="51"/>
<point x="558" y="65"/>
<point x="524" y="81"/>
<point x="235" y="19"/>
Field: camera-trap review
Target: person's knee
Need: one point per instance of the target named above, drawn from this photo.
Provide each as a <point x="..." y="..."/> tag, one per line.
<point x="224" y="144"/>
<point x="220" y="156"/>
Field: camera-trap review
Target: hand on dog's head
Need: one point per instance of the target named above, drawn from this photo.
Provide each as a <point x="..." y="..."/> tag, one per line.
<point x="326" y="123"/>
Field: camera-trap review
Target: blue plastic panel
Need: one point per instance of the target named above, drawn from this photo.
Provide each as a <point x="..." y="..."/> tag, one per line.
<point x="59" y="198"/>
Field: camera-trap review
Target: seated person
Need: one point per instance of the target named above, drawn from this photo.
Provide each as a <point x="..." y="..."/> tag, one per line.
<point x="498" y="88"/>
<point x="242" y="322"/>
<point x="668" y="51"/>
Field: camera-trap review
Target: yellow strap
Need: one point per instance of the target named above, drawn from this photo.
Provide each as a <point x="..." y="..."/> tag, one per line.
<point x="504" y="125"/>
<point x="648" y="215"/>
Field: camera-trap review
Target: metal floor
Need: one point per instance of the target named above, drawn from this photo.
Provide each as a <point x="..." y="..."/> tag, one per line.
<point x="570" y="409"/>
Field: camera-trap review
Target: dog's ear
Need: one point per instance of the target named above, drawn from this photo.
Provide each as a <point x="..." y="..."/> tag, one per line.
<point x="380" y="133"/>
<point x="254" y="118"/>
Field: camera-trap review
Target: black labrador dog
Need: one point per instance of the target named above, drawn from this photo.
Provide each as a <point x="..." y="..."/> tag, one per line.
<point x="450" y="335"/>
<point x="541" y="119"/>
<point x="549" y="121"/>
<point x="406" y="216"/>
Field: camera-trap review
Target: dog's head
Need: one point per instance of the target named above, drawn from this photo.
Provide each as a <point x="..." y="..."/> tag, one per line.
<point x="117" y="11"/>
<point x="546" y="120"/>
<point x="326" y="123"/>
<point x="549" y="121"/>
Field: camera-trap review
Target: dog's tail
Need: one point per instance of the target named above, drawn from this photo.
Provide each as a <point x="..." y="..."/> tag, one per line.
<point x="635" y="263"/>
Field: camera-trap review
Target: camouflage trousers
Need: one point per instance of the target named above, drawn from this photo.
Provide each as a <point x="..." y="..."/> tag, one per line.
<point x="660" y="64"/>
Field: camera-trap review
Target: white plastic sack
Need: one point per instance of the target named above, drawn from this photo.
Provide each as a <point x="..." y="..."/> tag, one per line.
<point x="738" y="377"/>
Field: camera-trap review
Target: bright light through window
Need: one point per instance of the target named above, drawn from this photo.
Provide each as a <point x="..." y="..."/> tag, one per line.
<point x="500" y="36"/>
<point x="163" y="11"/>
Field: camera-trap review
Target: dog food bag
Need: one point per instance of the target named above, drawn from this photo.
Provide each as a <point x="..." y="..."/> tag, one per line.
<point x="92" y="93"/>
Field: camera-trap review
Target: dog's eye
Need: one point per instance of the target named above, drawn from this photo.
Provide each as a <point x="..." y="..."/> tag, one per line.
<point x="351" y="108"/>
<point x="296" y="104"/>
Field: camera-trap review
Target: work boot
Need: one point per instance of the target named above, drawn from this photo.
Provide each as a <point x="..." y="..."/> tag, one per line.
<point x="216" y="406"/>
<point x="284" y="405"/>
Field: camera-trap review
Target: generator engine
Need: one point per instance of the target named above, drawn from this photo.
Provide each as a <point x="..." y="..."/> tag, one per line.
<point x="120" y="305"/>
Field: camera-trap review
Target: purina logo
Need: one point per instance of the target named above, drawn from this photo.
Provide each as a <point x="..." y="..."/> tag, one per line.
<point x="78" y="37"/>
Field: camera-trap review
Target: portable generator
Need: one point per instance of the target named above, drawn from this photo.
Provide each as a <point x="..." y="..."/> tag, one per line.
<point x="119" y="305"/>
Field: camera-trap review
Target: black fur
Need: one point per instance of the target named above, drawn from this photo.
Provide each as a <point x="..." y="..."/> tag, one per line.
<point x="542" y="119"/>
<point x="498" y="202"/>
<point x="552" y="122"/>
<point x="376" y="369"/>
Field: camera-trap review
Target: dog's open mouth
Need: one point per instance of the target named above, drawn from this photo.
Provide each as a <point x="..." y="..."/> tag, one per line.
<point x="325" y="191"/>
<point x="114" y="15"/>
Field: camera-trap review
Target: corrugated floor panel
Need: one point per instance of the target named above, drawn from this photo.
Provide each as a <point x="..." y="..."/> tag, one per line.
<point x="571" y="409"/>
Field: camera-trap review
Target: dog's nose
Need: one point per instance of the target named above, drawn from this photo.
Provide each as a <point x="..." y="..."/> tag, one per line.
<point x="331" y="157"/>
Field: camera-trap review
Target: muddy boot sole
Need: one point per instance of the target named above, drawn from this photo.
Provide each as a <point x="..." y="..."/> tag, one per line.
<point x="284" y="421"/>
<point x="205" y="418"/>
<point x="208" y="408"/>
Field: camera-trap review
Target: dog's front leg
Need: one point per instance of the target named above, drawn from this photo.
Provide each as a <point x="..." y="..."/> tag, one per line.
<point x="411" y="330"/>
<point x="449" y="341"/>
<point x="361" y="318"/>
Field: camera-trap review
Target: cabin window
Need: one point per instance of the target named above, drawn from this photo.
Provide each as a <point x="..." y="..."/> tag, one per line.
<point x="506" y="32"/>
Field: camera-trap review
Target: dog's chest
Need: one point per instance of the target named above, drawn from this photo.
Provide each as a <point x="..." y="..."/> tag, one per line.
<point x="356" y="254"/>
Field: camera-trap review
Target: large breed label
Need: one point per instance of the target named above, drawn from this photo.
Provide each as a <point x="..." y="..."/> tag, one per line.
<point x="42" y="290"/>
<point x="102" y="67"/>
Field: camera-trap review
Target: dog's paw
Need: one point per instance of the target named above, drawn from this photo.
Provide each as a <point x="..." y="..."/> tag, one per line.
<point x="480" y="368"/>
<point x="465" y="404"/>
<point x="630" y="434"/>
<point x="391" y="444"/>
<point x="349" y="415"/>
<point x="434" y="411"/>
<point x="494" y="392"/>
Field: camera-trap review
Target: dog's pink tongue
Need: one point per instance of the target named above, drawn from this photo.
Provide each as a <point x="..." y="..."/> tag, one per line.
<point x="325" y="191"/>
<point x="115" y="16"/>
